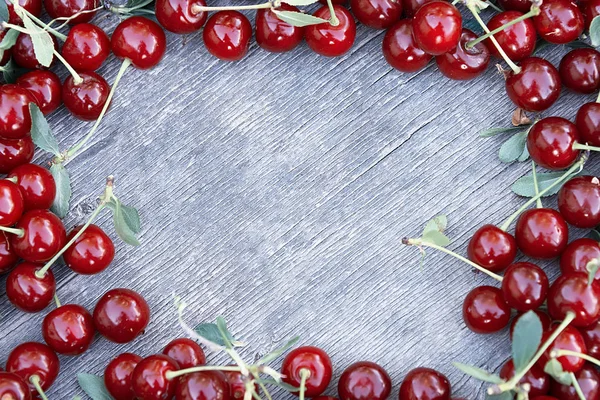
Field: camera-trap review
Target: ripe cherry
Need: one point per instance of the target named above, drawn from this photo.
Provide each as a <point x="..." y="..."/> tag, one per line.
<point x="121" y="315"/>
<point x="536" y="87"/>
<point x="578" y="254"/>
<point x="117" y="376"/>
<point x="227" y="35"/>
<point x="32" y="358"/>
<point x="8" y="258"/>
<point x="68" y="329"/>
<point x="37" y="185"/>
<point x="378" y="14"/>
<point x="588" y="380"/>
<point x="550" y="143"/>
<point x="410" y="7"/>
<point x="26" y="291"/>
<point x="325" y="398"/>
<point x="559" y="21"/>
<point x="237" y="384"/>
<point x="464" y="63"/>
<point x="580" y="70"/>
<point x="186" y="352"/>
<point x="538" y="380"/>
<point x="517" y="41"/>
<point x="541" y="233"/>
<point x="179" y="16"/>
<point x="588" y="123"/>
<point x="24" y="55"/>
<point x="590" y="10"/>
<point x="33" y="6"/>
<point x="328" y="40"/>
<point x="86" y="47"/>
<point x="569" y="339"/>
<point x="68" y="8"/>
<point x="140" y="40"/>
<point x="522" y="6"/>
<point x="312" y="362"/>
<point x="591" y="335"/>
<point x="425" y="383"/>
<point x="13" y="387"/>
<point x="572" y="294"/>
<point x="15" y="152"/>
<point x="400" y="49"/>
<point x="12" y="204"/>
<point x="492" y="248"/>
<point x="485" y="310"/>
<point x="91" y="253"/>
<point x="43" y="236"/>
<point x="15" y="119"/>
<point x="149" y="379"/>
<point x="85" y="100"/>
<point x="544" y="319"/>
<point x="524" y="286"/>
<point x="45" y="87"/>
<point x="203" y="385"/>
<point x="437" y="27"/>
<point x="579" y="201"/>
<point x="364" y="380"/>
<point x="275" y="35"/>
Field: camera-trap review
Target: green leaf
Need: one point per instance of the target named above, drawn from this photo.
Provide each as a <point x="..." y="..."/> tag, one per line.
<point x="11" y="72"/>
<point x="555" y="370"/>
<point x="512" y="149"/>
<point x="298" y="19"/>
<point x="592" y="268"/>
<point x="60" y="206"/>
<point x="225" y="335"/>
<point x="212" y="333"/>
<point x="524" y="185"/>
<point x="4" y="15"/>
<point x="524" y="156"/>
<point x="130" y="215"/>
<point x="9" y="39"/>
<point x="277" y="352"/>
<point x="497" y="131"/>
<point x="478" y="373"/>
<point x="121" y="225"/>
<point x="437" y="224"/>
<point x="43" y="46"/>
<point x="502" y="396"/>
<point x="595" y="31"/>
<point x="594" y="234"/>
<point x="527" y="337"/>
<point x="93" y="386"/>
<point x="437" y="238"/>
<point x="40" y="130"/>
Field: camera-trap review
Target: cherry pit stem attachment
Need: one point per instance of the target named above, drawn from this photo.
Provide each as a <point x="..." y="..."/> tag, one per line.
<point x="304" y="375"/>
<point x="534" y="11"/>
<point x="35" y="381"/>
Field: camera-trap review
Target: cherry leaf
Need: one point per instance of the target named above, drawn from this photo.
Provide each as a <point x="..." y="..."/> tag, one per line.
<point x="437" y="224"/>
<point x="298" y="19"/>
<point x="592" y="268"/>
<point x="94" y="386"/>
<point x="60" y="206"/>
<point x="524" y="155"/>
<point x="43" y="46"/>
<point x="595" y="31"/>
<point x="4" y="15"/>
<point x="478" y="373"/>
<point x="211" y="332"/>
<point x="554" y="369"/>
<point x="497" y="131"/>
<point x="130" y="216"/>
<point x="9" y="39"/>
<point x="40" y="131"/>
<point x="121" y="225"/>
<point x="501" y="396"/>
<point x="527" y="337"/>
<point x="437" y="238"/>
<point x="11" y="71"/>
<point x="524" y="185"/>
<point x="512" y="149"/>
<point x="277" y="352"/>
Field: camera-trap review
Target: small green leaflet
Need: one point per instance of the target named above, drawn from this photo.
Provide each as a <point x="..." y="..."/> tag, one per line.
<point x="298" y="19"/>
<point x="595" y="31"/>
<point x="130" y="215"/>
<point x="9" y="39"/>
<point x="126" y="220"/>
<point x="4" y="16"/>
<point x="438" y="224"/>
<point x="501" y="396"/>
<point x="437" y="238"/>
<point x="211" y="333"/>
<point x="40" y="131"/>
<point x="524" y="185"/>
<point x="43" y="46"/>
<point x="513" y="148"/>
<point x="527" y="337"/>
<point x="60" y="206"/>
<point x="592" y="268"/>
<point x="554" y="369"/>
<point x="277" y="352"/>
<point x="478" y="373"/>
<point x="497" y="131"/>
<point x="93" y="386"/>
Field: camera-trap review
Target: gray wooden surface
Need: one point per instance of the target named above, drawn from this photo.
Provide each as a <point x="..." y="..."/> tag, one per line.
<point x="275" y="191"/>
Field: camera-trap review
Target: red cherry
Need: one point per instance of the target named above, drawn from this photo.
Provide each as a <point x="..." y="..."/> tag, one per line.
<point x="141" y="40"/>
<point x="12" y="204"/>
<point x="580" y="70"/>
<point x="86" y="47"/>
<point x="203" y="385"/>
<point x="517" y="41"/>
<point x="311" y="360"/>
<point x="32" y="358"/>
<point x="579" y="201"/>
<point x="485" y="310"/>
<point x="522" y="6"/>
<point x="544" y="398"/>
<point x="275" y="35"/>
<point x="569" y="339"/>
<point x="186" y="352"/>
<point x="33" y="6"/>
<point x="15" y="152"/>
<point x="178" y="16"/>
<point x="588" y="380"/>
<point x="43" y="236"/>
<point x="544" y="319"/>
<point x="588" y="124"/>
<point x="378" y="14"/>
<point x="26" y="291"/>
<point x="149" y="379"/>
<point x="91" y="253"/>
<point x="85" y="100"/>
<point x="227" y="35"/>
<point x="437" y="27"/>
<point x="328" y="40"/>
<point x="541" y="233"/>
<point x="325" y="398"/>
<point x="68" y="329"/>
<point x="237" y="385"/>
<point x="536" y="377"/>
<point x="536" y="87"/>
<point x="13" y="387"/>
<point x="24" y="55"/>
<point x="37" y="185"/>
<point x="68" y="8"/>
<point x="400" y="49"/>
<point x="410" y="7"/>
<point x="492" y="248"/>
<point x="572" y="294"/>
<point x="45" y="87"/>
<point x="8" y="258"/>
<point x="121" y="315"/>
<point x="577" y="254"/>
<point x="559" y="21"/>
<point x="424" y="384"/>
<point x="591" y="335"/>
<point x="550" y="143"/>
<point x="364" y="380"/>
<point x="464" y="63"/>
<point x="15" y="119"/>
<point x="524" y="286"/>
<point x="117" y="376"/>
<point x="590" y="10"/>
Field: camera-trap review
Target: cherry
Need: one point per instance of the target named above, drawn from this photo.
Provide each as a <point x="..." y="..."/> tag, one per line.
<point x="400" y="49"/>
<point x="203" y="385"/>
<point x="544" y="319"/>
<point x="579" y="201"/>
<point x="186" y="352"/>
<point x="464" y="63"/>
<point x="517" y="41"/>
<point x="538" y="380"/>
<point x="550" y="143"/>
<point x="588" y="123"/>
<point x="522" y="6"/>
<point x="378" y="14"/>
<point x="536" y="87"/>
<point x="364" y="380"/>
<point x="313" y="362"/>
<point x="149" y="379"/>
<point x="117" y="376"/>
<point x="121" y="315"/>
<point x="423" y="384"/>
<point x="227" y="35"/>
<point x="541" y="233"/>
<point x="590" y="10"/>
<point x="91" y="253"/>
<point x="32" y="358"/>
<point x="178" y="16"/>
<point x="43" y="236"/>
<point x="485" y="310"/>
<point x="492" y="248"/>
<point x="12" y="204"/>
<point x="588" y="380"/>
<point x="15" y="119"/>
<point x="275" y="35"/>
<point x="591" y="335"/>
<point x="140" y="40"/>
<point x="86" y="47"/>
<point x="559" y="21"/>
<point x="26" y="291"/>
<point x="571" y="293"/>
<point x="580" y="70"/>
<point x="410" y="7"/>
<point x="37" y="185"/>
<point x="15" y="152"/>
<point x="328" y="40"/>
<point x="577" y="255"/>
<point x="437" y="27"/>
<point x="569" y="339"/>
<point x="33" y="6"/>
<point x="12" y="387"/>
<point x="45" y="87"/>
<point x="69" y="329"/>
<point x="68" y="8"/>
<point x="24" y="55"/>
<point x="325" y="398"/>
<point x="237" y="385"/>
<point x="8" y="258"/>
<point x="85" y="100"/>
<point x="524" y="286"/>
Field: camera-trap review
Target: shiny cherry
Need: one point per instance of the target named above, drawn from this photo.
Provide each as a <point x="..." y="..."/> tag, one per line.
<point x="485" y="310"/>
<point x="85" y="100"/>
<point x="464" y="63"/>
<point x="550" y="143"/>
<point x="275" y="35"/>
<point x="437" y="27"/>
<point x="400" y="49"/>
<point x="588" y="379"/>
<point x="68" y="329"/>
<point x="203" y="385"/>
<point x="311" y="360"/>
<point x="325" y="398"/>
<point x="410" y="7"/>
<point x="15" y="119"/>
<point x="186" y="352"/>
<point x="536" y="87"/>
<point x="43" y="236"/>
<point x="15" y="152"/>
<point x="541" y="233"/>
<point x="559" y="21"/>
<point x="328" y="40"/>
<point x="492" y="248"/>
<point x="32" y="358"/>
<point x="525" y="286"/>
<point x="141" y="40"/>
<point x="68" y="8"/>
<point x="13" y="387"/>
<point x="544" y="319"/>
<point x="33" y="6"/>
<point x="538" y="380"/>
<point x="378" y="14"/>
<point x="522" y="6"/>
<point x="227" y="35"/>
<point x="423" y="384"/>
<point x="86" y="47"/>
<point x="117" y="376"/>
<point x="91" y="253"/>
<point x="24" y="55"/>
<point x="45" y="87"/>
<point x="569" y="339"/>
<point x="149" y="379"/>
<point x="580" y="70"/>
<point x="364" y="380"/>
<point x="12" y="204"/>
<point x="591" y="335"/>
<point x="237" y="385"/>
<point x="37" y="185"/>
<point x="590" y="10"/>
<point x="572" y="294"/>
<point x="179" y="16"/>
<point x="8" y="258"/>
<point x="517" y="41"/>
<point x="588" y="123"/>
<point x="579" y="201"/>
<point x="121" y="315"/>
<point x="578" y="254"/>
<point x="26" y="291"/>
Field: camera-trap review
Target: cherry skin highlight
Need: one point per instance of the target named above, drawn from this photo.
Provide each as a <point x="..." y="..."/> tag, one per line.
<point x="68" y="330"/>
<point x="437" y="27"/>
<point x="91" y="253"/>
<point x="275" y="35"/>
<point x="524" y="286"/>
<point x="536" y="87"/>
<point x="86" y="100"/>
<point x="492" y="248"/>
<point x="550" y="143"/>
<point x="227" y="35"/>
<point x="328" y="40"/>
<point x="400" y="49"/>
<point x="579" y="201"/>
<point x="86" y="48"/>
<point x="377" y="14"/>
<point x="177" y="16"/>
<point x="536" y="377"/>
<point x="485" y="310"/>
<point x="15" y="119"/>
<point x="559" y="21"/>
<point x="464" y="63"/>
<point x="313" y="360"/>
<point x="117" y="376"/>
<point x="203" y="385"/>
<point x="44" y="235"/>
<point x="425" y="383"/>
<point x="45" y="87"/>
<point x="26" y="291"/>
<point x="580" y="70"/>
<point x="541" y="233"/>
<point x="32" y="358"/>
<point x="186" y="352"/>
<point x="121" y="315"/>
<point x="588" y="123"/>
<point x="140" y="40"/>
<point x="15" y="152"/>
<point x="517" y="41"/>
<point x="149" y="380"/>
<point x="364" y="380"/>
<point x="37" y="186"/>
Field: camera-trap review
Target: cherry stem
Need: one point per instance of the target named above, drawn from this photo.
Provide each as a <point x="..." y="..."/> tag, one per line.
<point x="57" y="301"/>
<point x="535" y="185"/>
<point x="581" y="146"/>
<point x="15" y="231"/>
<point x="333" y="19"/>
<point x="35" y="381"/>
<point x="123" y="10"/>
<point x="38" y="21"/>
<point x="531" y="13"/>
<point x="570" y="353"/>
<point x="76" y="77"/>
<point x="304" y="375"/>
<point x="175" y="374"/>
<point x="13" y="179"/>
<point x="66" y="20"/>
<point x="598" y="98"/>
<point x="576" y="386"/>
<point x="422" y="243"/>
<point x="197" y="9"/>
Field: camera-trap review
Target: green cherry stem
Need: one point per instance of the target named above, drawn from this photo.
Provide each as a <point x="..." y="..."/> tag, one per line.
<point x="581" y="146"/>
<point x="304" y="375"/>
<point x="35" y="381"/>
<point x="598" y="98"/>
<point x="65" y="20"/>
<point x="570" y="353"/>
<point x="534" y="11"/>
<point x="38" y="21"/>
<point x="175" y="374"/>
<point x="57" y="301"/>
<point x="576" y="386"/>
<point x="333" y="19"/>
<point x="15" y="231"/>
<point x="535" y="185"/>
<point x="76" y="77"/>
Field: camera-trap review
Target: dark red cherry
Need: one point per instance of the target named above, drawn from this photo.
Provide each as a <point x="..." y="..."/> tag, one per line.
<point x="588" y="380"/>
<point x="325" y="398"/>
<point x="26" y="291"/>
<point x="85" y="100"/>
<point x="33" y="6"/>
<point x="45" y="87"/>
<point x="572" y="294"/>
<point x="91" y="253"/>
<point x="544" y="319"/>
<point x="227" y="35"/>
<point x="536" y="87"/>
<point x="550" y="143"/>
<point x="410" y="7"/>
<point x="464" y="63"/>
<point x="15" y="119"/>
<point x="15" y="152"/>
<point x="579" y="201"/>
<point x="43" y="236"/>
<point x="13" y="387"/>
<point x="12" y="204"/>
<point x="588" y="123"/>
<point x="524" y="286"/>
<point x="69" y="329"/>
<point x="8" y="258"/>
<point x="569" y="339"/>
<point x="328" y="40"/>
<point x="141" y="40"/>
<point x="559" y="21"/>
<point x="541" y="233"/>
<point x="203" y="385"/>
<point x="437" y="27"/>
<point x="578" y="254"/>
<point x="492" y="248"/>
<point x="423" y="384"/>
<point x="179" y="16"/>
<point x="186" y="352"/>
<point x="313" y="361"/>
<point x="275" y="35"/>
<point x="400" y="49"/>
<point x="237" y="385"/>
<point x="538" y="380"/>
<point x="485" y="310"/>
<point x="378" y="14"/>
<point x="364" y="380"/>
<point x="517" y="41"/>
<point x="580" y="70"/>
<point x="32" y="358"/>
<point x="37" y="185"/>
<point x="117" y="376"/>
<point x="590" y="10"/>
<point x="23" y="54"/>
<point x="591" y="335"/>
<point x="522" y="6"/>
<point x="121" y="315"/>
<point x="149" y="379"/>
<point x="86" y="47"/>
<point x="68" y="8"/>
